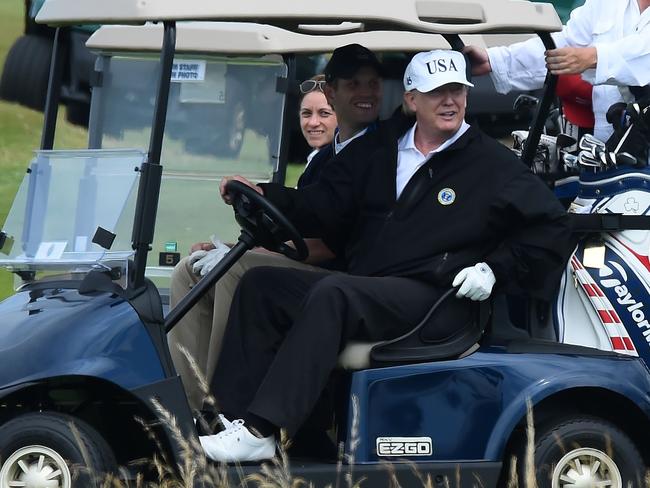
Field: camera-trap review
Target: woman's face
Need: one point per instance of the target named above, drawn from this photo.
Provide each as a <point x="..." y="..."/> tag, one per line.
<point x="317" y="119"/>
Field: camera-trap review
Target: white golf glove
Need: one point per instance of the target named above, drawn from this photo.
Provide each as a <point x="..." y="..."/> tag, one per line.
<point x="476" y="282"/>
<point x="203" y="261"/>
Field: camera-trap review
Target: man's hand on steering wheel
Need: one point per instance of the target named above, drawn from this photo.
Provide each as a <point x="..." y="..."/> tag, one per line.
<point x="261" y="220"/>
<point x="224" y="181"/>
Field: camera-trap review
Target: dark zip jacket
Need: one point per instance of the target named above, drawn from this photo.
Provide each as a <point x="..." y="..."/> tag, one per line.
<point x="500" y="213"/>
<point x="315" y="168"/>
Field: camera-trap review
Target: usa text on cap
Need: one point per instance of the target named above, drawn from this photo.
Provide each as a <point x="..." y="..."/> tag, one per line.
<point x="430" y="70"/>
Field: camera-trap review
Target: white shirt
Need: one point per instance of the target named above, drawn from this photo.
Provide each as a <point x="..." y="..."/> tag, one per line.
<point x="409" y="157"/>
<point x="338" y="146"/>
<point x="621" y="36"/>
<point x="311" y="155"/>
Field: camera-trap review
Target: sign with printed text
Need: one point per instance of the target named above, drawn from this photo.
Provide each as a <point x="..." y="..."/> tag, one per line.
<point x="404" y="446"/>
<point x="188" y="70"/>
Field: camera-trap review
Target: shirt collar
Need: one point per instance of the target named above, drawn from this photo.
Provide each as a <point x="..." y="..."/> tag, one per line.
<point x="644" y="17"/>
<point x="408" y="140"/>
<point x="338" y="146"/>
<point x="311" y="155"/>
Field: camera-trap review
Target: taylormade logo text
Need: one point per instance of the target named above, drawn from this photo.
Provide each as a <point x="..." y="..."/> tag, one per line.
<point x="634" y="307"/>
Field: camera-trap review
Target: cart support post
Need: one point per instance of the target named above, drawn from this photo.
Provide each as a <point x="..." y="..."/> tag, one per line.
<point x="151" y="171"/>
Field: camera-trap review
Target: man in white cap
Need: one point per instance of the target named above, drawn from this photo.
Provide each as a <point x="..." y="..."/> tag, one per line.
<point x="422" y="205"/>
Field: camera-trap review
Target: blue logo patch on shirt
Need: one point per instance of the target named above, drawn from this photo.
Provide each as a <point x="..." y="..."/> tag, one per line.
<point x="446" y="196"/>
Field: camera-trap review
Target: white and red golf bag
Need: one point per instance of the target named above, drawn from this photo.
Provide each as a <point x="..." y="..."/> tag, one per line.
<point x="604" y="301"/>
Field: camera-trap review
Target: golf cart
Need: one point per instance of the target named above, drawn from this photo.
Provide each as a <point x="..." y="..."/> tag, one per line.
<point x="453" y="409"/>
<point x="26" y="69"/>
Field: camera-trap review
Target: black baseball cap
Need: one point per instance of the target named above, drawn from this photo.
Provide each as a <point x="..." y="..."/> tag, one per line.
<point x="347" y="60"/>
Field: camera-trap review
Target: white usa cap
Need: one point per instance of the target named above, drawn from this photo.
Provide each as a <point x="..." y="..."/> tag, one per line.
<point x="430" y="70"/>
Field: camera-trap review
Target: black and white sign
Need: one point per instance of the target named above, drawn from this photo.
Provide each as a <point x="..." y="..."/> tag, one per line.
<point x="404" y="446"/>
<point x="188" y="70"/>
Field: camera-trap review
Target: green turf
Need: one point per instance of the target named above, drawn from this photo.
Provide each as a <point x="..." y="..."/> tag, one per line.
<point x="293" y="173"/>
<point x="11" y="25"/>
<point x="14" y="126"/>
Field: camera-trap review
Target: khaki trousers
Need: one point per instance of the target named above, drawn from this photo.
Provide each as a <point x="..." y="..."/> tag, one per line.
<point x="201" y="330"/>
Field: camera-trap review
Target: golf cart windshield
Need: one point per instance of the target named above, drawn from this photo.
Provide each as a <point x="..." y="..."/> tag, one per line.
<point x="225" y="116"/>
<point x="64" y="198"/>
<point x="224" y="113"/>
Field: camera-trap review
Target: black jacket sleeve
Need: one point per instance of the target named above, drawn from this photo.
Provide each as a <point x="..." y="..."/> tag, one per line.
<point x="327" y="206"/>
<point x="537" y="240"/>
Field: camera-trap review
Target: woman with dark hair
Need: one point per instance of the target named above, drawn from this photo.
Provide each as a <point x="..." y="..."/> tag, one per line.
<point x="317" y="122"/>
<point x="201" y="330"/>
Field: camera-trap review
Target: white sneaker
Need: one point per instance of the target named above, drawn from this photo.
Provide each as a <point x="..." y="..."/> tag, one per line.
<point x="237" y="444"/>
<point x="226" y="424"/>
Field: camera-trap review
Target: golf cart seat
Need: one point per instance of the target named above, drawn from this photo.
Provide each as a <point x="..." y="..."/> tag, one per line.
<point x="451" y="328"/>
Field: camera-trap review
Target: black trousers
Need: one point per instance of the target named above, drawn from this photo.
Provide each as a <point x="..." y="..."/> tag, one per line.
<point x="286" y="328"/>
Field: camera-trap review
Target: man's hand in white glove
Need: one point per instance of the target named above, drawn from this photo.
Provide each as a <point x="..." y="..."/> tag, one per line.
<point x="203" y="261"/>
<point x="476" y="282"/>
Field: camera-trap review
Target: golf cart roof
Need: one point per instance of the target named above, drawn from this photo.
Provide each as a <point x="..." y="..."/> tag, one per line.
<point x="246" y="38"/>
<point x="454" y="17"/>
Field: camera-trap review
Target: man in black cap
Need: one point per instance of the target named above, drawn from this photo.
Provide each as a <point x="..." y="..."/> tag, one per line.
<point x="353" y="88"/>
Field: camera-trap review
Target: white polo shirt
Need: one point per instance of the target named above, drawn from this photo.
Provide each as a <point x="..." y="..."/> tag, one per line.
<point x="409" y="157"/>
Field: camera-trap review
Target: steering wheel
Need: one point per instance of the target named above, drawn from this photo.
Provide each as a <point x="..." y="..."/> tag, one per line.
<point x="260" y="218"/>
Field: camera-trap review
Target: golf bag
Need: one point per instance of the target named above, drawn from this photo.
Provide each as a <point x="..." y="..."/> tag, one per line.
<point x="602" y="297"/>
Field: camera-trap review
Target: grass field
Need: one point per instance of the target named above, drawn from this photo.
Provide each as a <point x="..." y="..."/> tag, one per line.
<point x="19" y="128"/>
